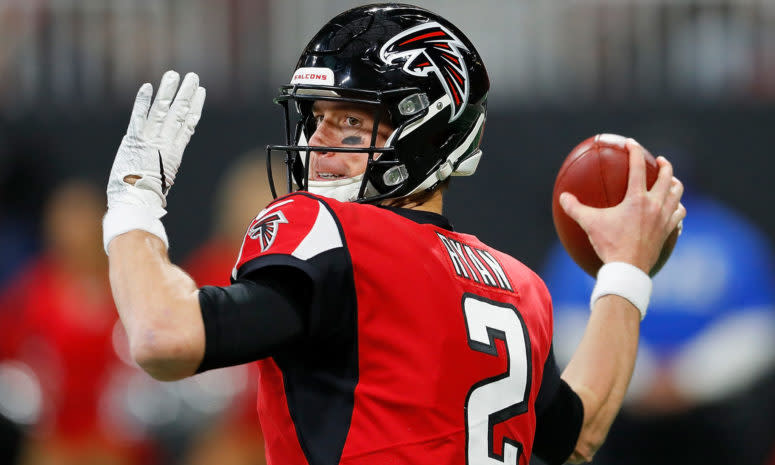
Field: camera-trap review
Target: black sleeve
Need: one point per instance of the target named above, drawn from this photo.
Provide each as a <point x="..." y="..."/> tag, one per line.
<point x="254" y="317"/>
<point x="559" y="415"/>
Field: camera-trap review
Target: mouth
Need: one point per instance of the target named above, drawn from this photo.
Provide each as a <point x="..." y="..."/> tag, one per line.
<point x="328" y="176"/>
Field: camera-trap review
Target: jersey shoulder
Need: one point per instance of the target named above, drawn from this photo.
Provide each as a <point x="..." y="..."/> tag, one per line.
<point x="528" y="276"/>
<point x="298" y="225"/>
<point x="521" y="275"/>
<point x="532" y="294"/>
<point x="529" y="285"/>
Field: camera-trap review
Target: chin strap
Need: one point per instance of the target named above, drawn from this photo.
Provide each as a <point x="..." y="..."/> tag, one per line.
<point x="343" y="190"/>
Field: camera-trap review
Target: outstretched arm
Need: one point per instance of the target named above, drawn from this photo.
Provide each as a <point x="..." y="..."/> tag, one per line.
<point x="631" y="233"/>
<point x="157" y="302"/>
<point x="159" y="306"/>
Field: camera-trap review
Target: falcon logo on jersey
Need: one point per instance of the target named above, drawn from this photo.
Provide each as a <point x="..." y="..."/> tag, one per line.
<point x="431" y="48"/>
<point x="265" y="229"/>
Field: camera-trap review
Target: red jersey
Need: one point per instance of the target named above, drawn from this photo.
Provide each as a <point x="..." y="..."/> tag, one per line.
<point x="424" y="346"/>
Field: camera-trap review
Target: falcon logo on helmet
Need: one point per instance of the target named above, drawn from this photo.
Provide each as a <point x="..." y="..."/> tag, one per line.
<point x="265" y="229"/>
<point x="430" y="48"/>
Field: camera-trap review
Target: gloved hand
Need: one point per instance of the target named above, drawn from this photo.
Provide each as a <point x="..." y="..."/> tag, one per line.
<point x="149" y="156"/>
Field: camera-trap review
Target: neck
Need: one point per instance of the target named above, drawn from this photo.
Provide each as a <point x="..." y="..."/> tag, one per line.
<point x="432" y="202"/>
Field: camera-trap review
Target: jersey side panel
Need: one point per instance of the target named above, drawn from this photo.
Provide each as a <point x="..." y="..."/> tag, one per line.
<point x="280" y="438"/>
<point x="421" y="369"/>
<point x="305" y="391"/>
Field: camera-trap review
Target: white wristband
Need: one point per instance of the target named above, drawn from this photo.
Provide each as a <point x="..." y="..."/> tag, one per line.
<point x="126" y="217"/>
<point x="625" y="280"/>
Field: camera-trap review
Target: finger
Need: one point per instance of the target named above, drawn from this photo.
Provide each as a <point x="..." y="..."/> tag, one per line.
<point x="573" y="208"/>
<point x="180" y="107"/>
<point x="664" y="180"/>
<point x="677" y="187"/>
<point x="194" y="114"/>
<point x="677" y="217"/>
<point x="637" y="176"/>
<point x="674" y="195"/>
<point x="161" y="105"/>
<point x="140" y="109"/>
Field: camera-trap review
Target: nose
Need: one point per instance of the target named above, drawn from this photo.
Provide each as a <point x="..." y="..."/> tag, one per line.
<point x="322" y="137"/>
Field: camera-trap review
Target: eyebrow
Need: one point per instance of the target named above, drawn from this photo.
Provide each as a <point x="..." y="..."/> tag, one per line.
<point x="366" y="110"/>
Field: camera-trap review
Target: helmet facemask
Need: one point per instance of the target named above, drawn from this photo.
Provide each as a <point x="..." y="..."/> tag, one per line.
<point x="384" y="175"/>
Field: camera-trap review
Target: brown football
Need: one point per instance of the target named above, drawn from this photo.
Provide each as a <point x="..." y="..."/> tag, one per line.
<point x="596" y="172"/>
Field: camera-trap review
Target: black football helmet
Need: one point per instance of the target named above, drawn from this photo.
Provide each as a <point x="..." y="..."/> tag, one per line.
<point x="418" y="71"/>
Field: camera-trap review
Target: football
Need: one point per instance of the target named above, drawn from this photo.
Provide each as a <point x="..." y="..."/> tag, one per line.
<point x="596" y="172"/>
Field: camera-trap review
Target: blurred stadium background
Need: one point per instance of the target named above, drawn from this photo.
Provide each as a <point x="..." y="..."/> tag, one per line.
<point x="691" y="79"/>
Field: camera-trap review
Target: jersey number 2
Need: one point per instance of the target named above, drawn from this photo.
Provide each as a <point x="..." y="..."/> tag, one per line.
<point x="496" y="399"/>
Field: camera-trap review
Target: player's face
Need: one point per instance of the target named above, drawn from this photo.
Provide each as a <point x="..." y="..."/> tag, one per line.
<point x="341" y="124"/>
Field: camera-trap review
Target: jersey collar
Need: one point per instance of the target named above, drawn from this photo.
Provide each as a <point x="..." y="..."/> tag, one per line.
<point x="421" y="216"/>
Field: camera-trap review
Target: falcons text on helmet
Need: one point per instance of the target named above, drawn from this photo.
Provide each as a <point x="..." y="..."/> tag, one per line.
<point x="432" y="48"/>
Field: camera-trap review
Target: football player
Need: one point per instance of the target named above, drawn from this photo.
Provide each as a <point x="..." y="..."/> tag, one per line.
<point x="384" y="335"/>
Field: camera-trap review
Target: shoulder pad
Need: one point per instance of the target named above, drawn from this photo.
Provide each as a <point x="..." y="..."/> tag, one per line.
<point x="298" y="225"/>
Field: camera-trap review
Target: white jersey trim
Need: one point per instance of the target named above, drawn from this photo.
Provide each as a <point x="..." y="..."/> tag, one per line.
<point x="323" y="236"/>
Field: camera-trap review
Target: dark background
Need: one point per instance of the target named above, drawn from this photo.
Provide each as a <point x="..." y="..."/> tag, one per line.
<point x="721" y="150"/>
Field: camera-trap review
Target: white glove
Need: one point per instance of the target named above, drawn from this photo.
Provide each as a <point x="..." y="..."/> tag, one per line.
<point x="151" y="150"/>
